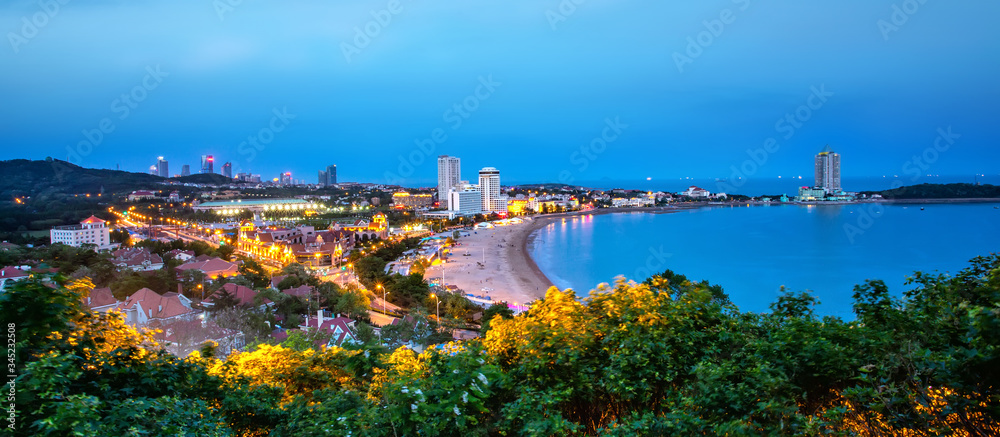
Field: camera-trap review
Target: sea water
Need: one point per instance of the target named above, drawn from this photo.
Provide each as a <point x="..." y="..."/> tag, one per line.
<point x="753" y="251"/>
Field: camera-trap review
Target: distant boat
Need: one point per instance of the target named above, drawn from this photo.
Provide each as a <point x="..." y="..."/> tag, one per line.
<point x="921" y="209"/>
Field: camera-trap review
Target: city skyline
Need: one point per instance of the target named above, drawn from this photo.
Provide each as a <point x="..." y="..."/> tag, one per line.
<point x="682" y="86"/>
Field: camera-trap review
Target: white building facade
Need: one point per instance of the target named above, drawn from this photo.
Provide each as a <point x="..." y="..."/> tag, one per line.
<point x="90" y="231"/>
<point x="489" y="187"/>
<point x="466" y="200"/>
<point x="449" y="175"/>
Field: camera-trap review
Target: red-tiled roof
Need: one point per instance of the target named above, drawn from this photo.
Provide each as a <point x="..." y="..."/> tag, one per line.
<point x="92" y="219"/>
<point x="244" y="295"/>
<point x="212" y="266"/>
<point x="11" y="272"/>
<point x="303" y="291"/>
<point x="100" y="297"/>
<point x="154" y="305"/>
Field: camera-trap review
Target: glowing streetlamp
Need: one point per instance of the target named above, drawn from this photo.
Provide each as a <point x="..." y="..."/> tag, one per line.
<point x="437" y="312"/>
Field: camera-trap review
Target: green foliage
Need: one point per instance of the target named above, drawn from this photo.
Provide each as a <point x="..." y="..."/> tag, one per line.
<point x="667" y="357"/>
<point x="496" y="310"/>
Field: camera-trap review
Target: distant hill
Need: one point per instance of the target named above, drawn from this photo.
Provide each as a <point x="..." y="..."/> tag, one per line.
<point x="941" y="191"/>
<point x="209" y="179"/>
<point x="22" y="177"/>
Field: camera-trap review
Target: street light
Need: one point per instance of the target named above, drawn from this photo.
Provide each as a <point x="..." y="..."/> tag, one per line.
<point x="437" y="312"/>
<point x="384" y="293"/>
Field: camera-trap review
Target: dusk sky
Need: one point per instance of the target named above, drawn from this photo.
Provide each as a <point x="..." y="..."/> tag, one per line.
<point x="692" y="87"/>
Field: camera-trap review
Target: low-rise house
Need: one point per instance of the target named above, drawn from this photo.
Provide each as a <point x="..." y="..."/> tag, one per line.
<point x="11" y="274"/>
<point x="181" y="255"/>
<point x="138" y="259"/>
<point x="340" y="328"/>
<point x="147" y="305"/>
<point x="141" y="195"/>
<point x="213" y="267"/>
<point x="100" y="300"/>
<point x="244" y="295"/>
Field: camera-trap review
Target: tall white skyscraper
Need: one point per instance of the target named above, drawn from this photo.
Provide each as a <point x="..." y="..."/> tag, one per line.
<point x="489" y="186"/>
<point x="828" y="170"/>
<point x="449" y="175"/>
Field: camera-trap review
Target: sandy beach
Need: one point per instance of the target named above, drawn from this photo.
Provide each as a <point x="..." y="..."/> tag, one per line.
<point x="496" y="262"/>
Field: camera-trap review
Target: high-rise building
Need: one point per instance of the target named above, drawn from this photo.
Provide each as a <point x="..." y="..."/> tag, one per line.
<point x="323" y="179"/>
<point x="207" y="164"/>
<point x="285" y="178"/>
<point x="449" y="175"/>
<point x="153" y="170"/>
<point x="331" y="174"/>
<point x="466" y="199"/>
<point x="227" y="170"/>
<point x="489" y="187"/>
<point x="185" y="170"/>
<point x="828" y="170"/>
<point x="161" y="168"/>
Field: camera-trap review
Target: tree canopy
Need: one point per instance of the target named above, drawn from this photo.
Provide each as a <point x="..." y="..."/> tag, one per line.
<point x="665" y="357"/>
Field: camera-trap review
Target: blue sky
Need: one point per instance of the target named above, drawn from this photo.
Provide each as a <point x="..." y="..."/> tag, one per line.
<point x="551" y="80"/>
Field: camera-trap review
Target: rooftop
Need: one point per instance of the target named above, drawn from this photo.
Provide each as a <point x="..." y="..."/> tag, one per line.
<point x="253" y="202"/>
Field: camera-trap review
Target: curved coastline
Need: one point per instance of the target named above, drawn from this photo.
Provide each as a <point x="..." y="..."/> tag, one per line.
<point x="520" y="257"/>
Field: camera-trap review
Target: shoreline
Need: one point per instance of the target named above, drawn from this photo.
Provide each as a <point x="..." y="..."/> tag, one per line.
<point x="512" y="275"/>
<point x="525" y="238"/>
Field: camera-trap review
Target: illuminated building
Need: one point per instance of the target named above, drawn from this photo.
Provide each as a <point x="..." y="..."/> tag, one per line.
<point x="449" y="175"/>
<point x="90" y="231"/>
<point x="227" y="170"/>
<point x="207" y="164"/>
<point x="489" y="189"/>
<point x="466" y="199"/>
<point x="412" y="201"/>
<point x="303" y="244"/>
<point x="828" y="170"/>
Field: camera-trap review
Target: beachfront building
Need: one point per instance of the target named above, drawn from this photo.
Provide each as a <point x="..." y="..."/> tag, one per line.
<point x="90" y="231"/>
<point x="449" y="175"/>
<point x="696" y="192"/>
<point x="828" y="170"/>
<point x="405" y="200"/>
<point x="466" y="199"/>
<point x="522" y="205"/>
<point x="808" y="194"/>
<point x="489" y="189"/>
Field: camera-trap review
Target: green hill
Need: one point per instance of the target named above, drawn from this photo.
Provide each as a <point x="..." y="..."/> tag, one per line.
<point x="209" y="179"/>
<point x="941" y="191"/>
<point x="34" y="178"/>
